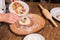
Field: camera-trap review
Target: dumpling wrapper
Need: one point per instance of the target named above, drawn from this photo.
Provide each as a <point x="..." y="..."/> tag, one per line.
<point x="24" y="21"/>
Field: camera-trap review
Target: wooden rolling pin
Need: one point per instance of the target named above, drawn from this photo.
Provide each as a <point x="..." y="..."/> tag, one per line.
<point x="48" y="15"/>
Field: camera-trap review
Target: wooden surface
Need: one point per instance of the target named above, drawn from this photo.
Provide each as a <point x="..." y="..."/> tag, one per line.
<point x="49" y="31"/>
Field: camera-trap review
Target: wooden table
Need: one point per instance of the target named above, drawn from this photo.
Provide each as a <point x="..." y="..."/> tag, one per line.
<point x="49" y="31"/>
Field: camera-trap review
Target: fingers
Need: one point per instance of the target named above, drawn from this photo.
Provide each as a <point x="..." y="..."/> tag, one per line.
<point x="11" y="18"/>
<point x="17" y="18"/>
<point x="12" y="15"/>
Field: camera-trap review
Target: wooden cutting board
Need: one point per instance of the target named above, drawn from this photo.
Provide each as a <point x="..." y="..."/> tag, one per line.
<point x="37" y="24"/>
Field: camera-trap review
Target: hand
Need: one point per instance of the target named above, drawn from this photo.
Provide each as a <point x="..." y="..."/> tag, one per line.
<point x="10" y="18"/>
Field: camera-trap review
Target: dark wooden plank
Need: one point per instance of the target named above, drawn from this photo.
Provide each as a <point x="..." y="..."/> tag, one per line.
<point x="49" y="31"/>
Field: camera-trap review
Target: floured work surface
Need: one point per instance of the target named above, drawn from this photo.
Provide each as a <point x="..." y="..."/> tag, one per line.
<point x="36" y="24"/>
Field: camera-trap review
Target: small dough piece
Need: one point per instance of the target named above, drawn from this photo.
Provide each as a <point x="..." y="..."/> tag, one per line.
<point x="25" y="21"/>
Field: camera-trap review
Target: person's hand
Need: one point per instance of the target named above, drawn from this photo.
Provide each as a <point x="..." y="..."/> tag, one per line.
<point x="10" y="18"/>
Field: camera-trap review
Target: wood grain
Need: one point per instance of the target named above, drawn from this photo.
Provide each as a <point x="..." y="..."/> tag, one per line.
<point x="49" y="31"/>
